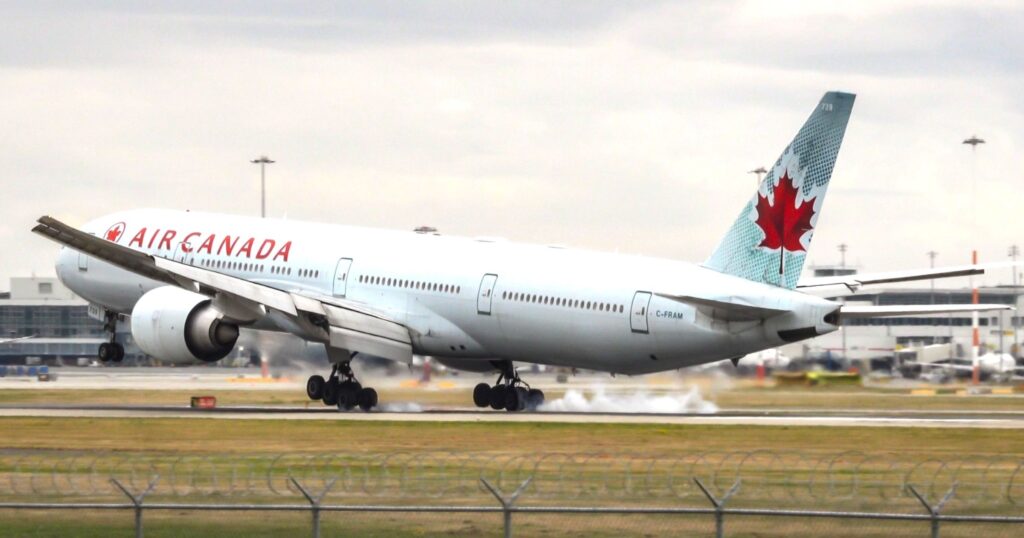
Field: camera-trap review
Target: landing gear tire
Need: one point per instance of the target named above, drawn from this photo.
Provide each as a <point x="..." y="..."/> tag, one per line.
<point x="348" y="392"/>
<point x="118" y="352"/>
<point x="534" y="399"/>
<point x="341" y="388"/>
<point x="105" y="353"/>
<point x="509" y="392"/>
<point x="498" y="397"/>
<point x="482" y="395"/>
<point x="315" y="387"/>
<point x="367" y="399"/>
<point x="331" y="392"/>
<point x="110" y="351"/>
<point x="515" y="399"/>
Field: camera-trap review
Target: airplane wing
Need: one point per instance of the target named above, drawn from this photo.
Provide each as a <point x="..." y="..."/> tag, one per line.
<point x="729" y="309"/>
<point x="350" y="325"/>
<point x="872" y="311"/>
<point x="962" y="367"/>
<point x="9" y="340"/>
<point x="839" y="286"/>
<point x="945" y="366"/>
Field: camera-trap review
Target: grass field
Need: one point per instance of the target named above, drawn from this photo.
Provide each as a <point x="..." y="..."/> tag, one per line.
<point x="199" y="435"/>
<point x="260" y="441"/>
<point x="255" y="525"/>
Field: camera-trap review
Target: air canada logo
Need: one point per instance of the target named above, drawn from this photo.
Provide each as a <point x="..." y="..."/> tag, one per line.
<point x="115" y="232"/>
<point x="782" y="220"/>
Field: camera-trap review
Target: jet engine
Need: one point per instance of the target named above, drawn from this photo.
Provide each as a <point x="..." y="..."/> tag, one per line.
<point x="181" y="327"/>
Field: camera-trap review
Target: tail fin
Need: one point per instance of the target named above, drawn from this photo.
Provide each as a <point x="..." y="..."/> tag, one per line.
<point x="769" y="240"/>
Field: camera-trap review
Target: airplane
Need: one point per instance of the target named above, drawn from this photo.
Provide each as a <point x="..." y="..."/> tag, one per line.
<point x="999" y="365"/>
<point x="189" y="281"/>
<point x="18" y="339"/>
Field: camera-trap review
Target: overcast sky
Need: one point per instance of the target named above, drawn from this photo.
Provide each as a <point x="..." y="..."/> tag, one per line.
<point x="607" y="125"/>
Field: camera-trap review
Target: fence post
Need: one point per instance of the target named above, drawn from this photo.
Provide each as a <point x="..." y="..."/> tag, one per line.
<point x="719" y="504"/>
<point x="137" y="501"/>
<point x="506" y="502"/>
<point x="934" y="510"/>
<point x="314" y="502"/>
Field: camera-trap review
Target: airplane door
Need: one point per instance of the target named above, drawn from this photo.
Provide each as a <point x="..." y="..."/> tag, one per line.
<point x="638" y="312"/>
<point x="83" y="260"/>
<point x="341" y="276"/>
<point x="483" y="299"/>
<point x="180" y="255"/>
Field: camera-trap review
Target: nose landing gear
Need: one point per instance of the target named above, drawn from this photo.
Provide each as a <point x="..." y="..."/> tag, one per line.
<point x="111" y="351"/>
<point x="347" y="394"/>
<point x="509" y="392"/>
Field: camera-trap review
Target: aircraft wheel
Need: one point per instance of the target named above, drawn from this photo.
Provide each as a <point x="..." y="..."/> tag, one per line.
<point x="118" y="352"/>
<point x="515" y="399"/>
<point x="498" y="397"/>
<point x="534" y="399"/>
<point x="347" y="392"/>
<point x="105" y="352"/>
<point x="331" y="392"/>
<point x="315" y="387"/>
<point x="367" y="399"/>
<point x="482" y="395"/>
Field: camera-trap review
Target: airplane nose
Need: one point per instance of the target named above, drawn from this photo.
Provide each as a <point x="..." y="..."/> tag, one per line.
<point x="65" y="262"/>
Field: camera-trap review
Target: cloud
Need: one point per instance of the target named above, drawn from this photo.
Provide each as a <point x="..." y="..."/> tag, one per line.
<point x="620" y="127"/>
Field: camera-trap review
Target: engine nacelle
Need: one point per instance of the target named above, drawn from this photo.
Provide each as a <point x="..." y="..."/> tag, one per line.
<point x="178" y="326"/>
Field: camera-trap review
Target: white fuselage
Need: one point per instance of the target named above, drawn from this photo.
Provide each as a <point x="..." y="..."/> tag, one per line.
<point x="462" y="298"/>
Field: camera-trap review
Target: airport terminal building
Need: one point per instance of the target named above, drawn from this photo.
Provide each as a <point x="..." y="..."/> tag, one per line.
<point x="58" y="322"/>
<point x="879" y="338"/>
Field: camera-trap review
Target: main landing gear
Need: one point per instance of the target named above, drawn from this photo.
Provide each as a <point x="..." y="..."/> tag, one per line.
<point x="346" y="394"/>
<point x="509" y="392"/>
<point x="110" y="351"/>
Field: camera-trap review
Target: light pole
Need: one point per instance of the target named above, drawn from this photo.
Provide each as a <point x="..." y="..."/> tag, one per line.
<point x="1013" y="252"/>
<point x="263" y="161"/>
<point x="974" y="142"/>
<point x="931" y="263"/>
<point x="760" y="172"/>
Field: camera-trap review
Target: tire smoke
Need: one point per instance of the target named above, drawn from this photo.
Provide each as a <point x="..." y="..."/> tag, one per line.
<point x="598" y="400"/>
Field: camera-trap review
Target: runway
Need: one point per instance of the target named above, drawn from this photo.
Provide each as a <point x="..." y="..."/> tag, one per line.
<point x="835" y="418"/>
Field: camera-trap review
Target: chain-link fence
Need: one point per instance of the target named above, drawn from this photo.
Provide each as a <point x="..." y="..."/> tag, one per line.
<point x="713" y="490"/>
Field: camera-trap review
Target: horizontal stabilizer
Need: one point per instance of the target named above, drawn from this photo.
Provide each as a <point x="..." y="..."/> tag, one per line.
<point x="838" y="286"/>
<point x="728" y="309"/>
<point x="871" y="311"/>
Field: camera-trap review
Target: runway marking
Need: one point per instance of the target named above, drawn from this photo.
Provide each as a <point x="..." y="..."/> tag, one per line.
<point x="934" y="420"/>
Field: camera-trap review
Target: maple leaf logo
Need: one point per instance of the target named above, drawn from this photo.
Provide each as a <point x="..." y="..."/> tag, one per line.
<point x="783" y="223"/>
<point x="114" y="232"/>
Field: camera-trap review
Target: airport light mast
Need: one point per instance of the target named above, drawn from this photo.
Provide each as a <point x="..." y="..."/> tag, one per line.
<point x="1013" y="252"/>
<point x="931" y="263"/>
<point x="263" y="161"/>
<point x="974" y="142"/>
<point x="760" y="172"/>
